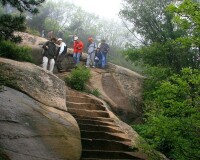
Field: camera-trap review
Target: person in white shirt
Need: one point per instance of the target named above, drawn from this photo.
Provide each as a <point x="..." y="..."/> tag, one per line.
<point x="62" y="50"/>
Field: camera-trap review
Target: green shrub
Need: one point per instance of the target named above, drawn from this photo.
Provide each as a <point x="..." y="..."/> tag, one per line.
<point x="33" y="31"/>
<point x="12" y="51"/>
<point x="3" y="156"/>
<point x="94" y="92"/>
<point x="5" y="81"/>
<point x="78" y="78"/>
<point x="172" y="116"/>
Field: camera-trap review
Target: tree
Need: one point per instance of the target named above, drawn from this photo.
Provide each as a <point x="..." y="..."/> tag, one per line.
<point x="187" y="17"/>
<point x="23" y="5"/>
<point x="149" y="19"/>
<point x="173" y="118"/>
<point x="9" y="23"/>
<point x="171" y="90"/>
<point x="165" y="44"/>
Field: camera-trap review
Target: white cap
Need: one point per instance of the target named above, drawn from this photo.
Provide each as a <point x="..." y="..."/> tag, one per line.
<point x="59" y="39"/>
<point x="75" y="38"/>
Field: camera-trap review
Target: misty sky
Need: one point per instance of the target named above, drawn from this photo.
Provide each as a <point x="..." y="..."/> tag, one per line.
<point x="104" y="8"/>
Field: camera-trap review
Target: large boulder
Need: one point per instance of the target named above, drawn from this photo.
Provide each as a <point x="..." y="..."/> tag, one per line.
<point x="121" y="88"/>
<point x="30" y="130"/>
<point x="129" y="84"/>
<point x="35" y="82"/>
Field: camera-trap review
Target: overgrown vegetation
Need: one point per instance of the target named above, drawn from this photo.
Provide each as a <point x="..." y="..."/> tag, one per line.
<point x="78" y="78"/>
<point x="5" y="81"/>
<point x="94" y="92"/>
<point x="3" y="156"/>
<point x="10" y="23"/>
<point x="171" y="55"/>
<point x="12" y="51"/>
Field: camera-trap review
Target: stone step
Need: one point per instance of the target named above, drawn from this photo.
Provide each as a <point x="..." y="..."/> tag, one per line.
<point x="102" y="159"/>
<point x="95" y="122"/>
<point x="106" y="145"/>
<point x="86" y="106"/>
<point x="99" y="154"/>
<point x="89" y="127"/>
<point x="77" y="99"/>
<point x="91" y="113"/>
<point x="76" y="116"/>
<point x="105" y="135"/>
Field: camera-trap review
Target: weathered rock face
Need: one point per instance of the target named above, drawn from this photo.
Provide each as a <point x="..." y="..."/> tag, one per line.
<point x="121" y="88"/>
<point x="30" y="130"/>
<point x="35" y="82"/>
<point x="130" y="86"/>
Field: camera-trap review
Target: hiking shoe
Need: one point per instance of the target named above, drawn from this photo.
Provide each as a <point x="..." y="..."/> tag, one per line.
<point x="61" y="70"/>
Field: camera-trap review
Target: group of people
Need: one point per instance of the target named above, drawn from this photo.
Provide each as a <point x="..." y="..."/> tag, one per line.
<point x="96" y="54"/>
<point x="53" y="55"/>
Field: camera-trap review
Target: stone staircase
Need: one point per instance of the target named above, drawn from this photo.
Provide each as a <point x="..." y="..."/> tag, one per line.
<point x="101" y="137"/>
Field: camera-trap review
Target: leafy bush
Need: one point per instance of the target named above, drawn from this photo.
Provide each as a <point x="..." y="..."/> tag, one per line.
<point x="12" y="51"/>
<point x="3" y="156"/>
<point x="78" y="78"/>
<point x="94" y="92"/>
<point x="5" y="81"/>
<point x="173" y="118"/>
<point x="32" y="31"/>
<point x="9" y="24"/>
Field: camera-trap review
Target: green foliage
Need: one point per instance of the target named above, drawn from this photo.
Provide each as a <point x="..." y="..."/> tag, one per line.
<point x="22" y="6"/>
<point x="33" y="31"/>
<point x="116" y="56"/>
<point x="166" y="44"/>
<point x="173" y="54"/>
<point x="15" y="52"/>
<point x="171" y="93"/>
<point x="51" y="24"/>
<point x="149" y="19"/>
<point x="3" y="156"/>
<point x="173" y="118"/>
<point x="9" y="24"/>
<point x="5" y="81"/>
<point x="78" y="78"/>
<point x="94" y="92"/>
<point x="187" y="17"/>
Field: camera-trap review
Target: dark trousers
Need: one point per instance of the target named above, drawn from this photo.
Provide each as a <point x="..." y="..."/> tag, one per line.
<point x="59" y="61"/>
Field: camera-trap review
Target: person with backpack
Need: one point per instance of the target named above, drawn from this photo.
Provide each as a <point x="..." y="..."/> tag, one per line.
<point x="62" y="50"/>
<point x="78" y="49"/>
<point x="49" y="54"/>
<point x="103" y="50"/>
<point x="92" y="47"/>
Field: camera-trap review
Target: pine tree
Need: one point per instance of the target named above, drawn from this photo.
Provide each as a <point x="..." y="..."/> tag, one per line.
<point x="9" y="23"/>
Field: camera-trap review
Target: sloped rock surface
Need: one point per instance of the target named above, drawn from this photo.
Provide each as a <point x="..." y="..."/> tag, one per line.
<point x="121" y="89"/>
<point x="30" y="130"/>
<point x="35" y="82"/>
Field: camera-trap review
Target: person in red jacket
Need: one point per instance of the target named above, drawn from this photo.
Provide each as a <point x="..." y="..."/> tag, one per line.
<point x="78" y="49"/>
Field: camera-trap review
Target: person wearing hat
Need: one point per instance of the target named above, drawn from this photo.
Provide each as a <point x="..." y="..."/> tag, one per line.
<point x="62" y="50"/>
<point x="78" y="49"/>
<point x="92" y="47"/>
<point x="49" y="54"/>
